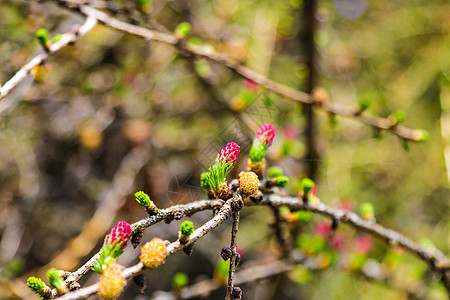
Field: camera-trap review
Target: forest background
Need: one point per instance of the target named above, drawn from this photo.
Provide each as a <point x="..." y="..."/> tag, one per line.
<point x="115" y="114"/>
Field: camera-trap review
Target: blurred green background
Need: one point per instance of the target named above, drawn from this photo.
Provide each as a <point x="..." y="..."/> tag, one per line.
<point x="68" y="143"/>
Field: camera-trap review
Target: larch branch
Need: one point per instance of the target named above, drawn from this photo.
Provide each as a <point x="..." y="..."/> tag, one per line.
<point x="222" y="216"/>
<point x="66" y="39"/>
<point x="436" y="259"/>
<point x="186" y="209"/>
<point x="223" y="59"/>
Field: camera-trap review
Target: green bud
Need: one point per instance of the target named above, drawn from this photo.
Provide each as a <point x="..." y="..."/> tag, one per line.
<point x="180" y="280"/>
<point x="307" y="185"/>
<point x="364" y="104"/>
<point x="204" y="181"/>
<point x="398" y="116"/>
<point x="357" y="261"/>
<point x="54" y="279"/>
<point x="257" y="152"/>
<point x="281" y="181"/>
<point x="367" y="210"/>
<point x="311" y="244"/>
<point x="186" y="229"/>
<point x="183" y="30"/>
<point x="142" y="199"/>
<point x="421" y="135"/>
<point x="42" y="37"/>
<point x="303" y="215"/>
<point x="35" y="284"/>
<point x="274" y="172"/>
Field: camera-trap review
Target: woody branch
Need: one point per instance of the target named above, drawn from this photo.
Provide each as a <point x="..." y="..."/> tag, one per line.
<point x="66" y="39"/>
<point x="210" y="55"/>
<point x="436" y="259"/>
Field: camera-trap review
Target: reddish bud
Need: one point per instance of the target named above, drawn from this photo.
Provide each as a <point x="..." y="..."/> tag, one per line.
<point x="266" y="134"/>
<point x="119" y="235"/>
<point x="228" y="154"/>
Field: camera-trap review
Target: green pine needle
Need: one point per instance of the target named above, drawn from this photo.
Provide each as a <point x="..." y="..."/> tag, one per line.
<point x="204" y="181"/>
<point x="35" y="284"/>
<point x="142" y="199"/>
<point x="218" y="172"/>
<point x="54" y="279"/>
<point x="42" y="37"/>
<point x="274" y="172"/>
<point x="307" y="185"/>
<point x="180" y="280"/>
<point x="186" y="228"/>
<point x="257" y="152"/>
<point x="281" y="181"/>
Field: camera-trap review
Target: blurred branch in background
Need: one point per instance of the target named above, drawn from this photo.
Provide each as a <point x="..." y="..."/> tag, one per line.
<point x="285" y="91"/>
<point x="305" y="98"/>
<point x="308" y="55"/>
<point x="260" y="272"/>
<point x="436" y="259"/>
<point x="66" y="39"/>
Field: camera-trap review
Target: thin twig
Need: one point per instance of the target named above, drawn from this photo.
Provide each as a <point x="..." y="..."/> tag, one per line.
<point x="437" y="260"/>
<point x="222" y="216"/>
<point x="233" y="245"/>
<point x="186" y="209"/>
<point x="434" y="257"/>
<point x="66" y="39"/>
<point x="208" y="54"/>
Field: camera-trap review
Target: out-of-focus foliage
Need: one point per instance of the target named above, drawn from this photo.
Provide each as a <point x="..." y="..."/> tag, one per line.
<point x="62" y="140"/>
